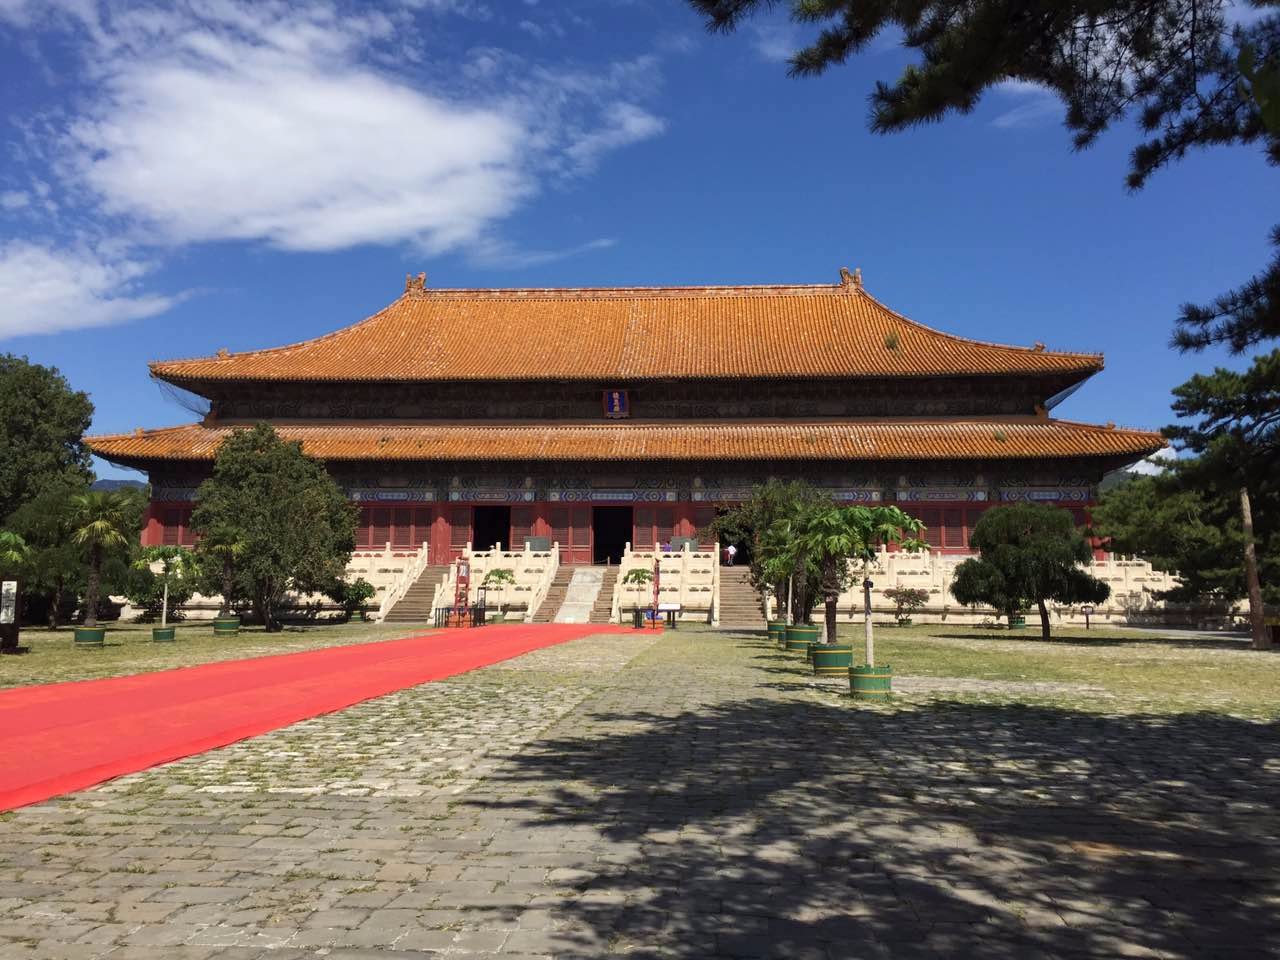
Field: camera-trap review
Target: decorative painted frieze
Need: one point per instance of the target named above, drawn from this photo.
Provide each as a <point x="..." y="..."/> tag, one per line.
<point x="173" y="494"/>
<point x="1028" y="494"/>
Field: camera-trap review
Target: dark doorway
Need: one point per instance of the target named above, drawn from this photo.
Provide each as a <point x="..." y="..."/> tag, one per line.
<point x="491" y="525"/>
<point x="611" y="531"/>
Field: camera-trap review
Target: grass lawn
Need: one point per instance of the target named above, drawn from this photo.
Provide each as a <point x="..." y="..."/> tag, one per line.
<point x="1112" y="670"/>
<point x="129" y="649"/>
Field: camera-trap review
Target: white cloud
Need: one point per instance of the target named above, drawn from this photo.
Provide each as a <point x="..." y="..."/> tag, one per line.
<point x="626" y="124"/>
<point x="14" y="200"/>
<point x="310" y="127"/>
<point x="43" y="290"/>
<point x="492" y="252"/>
<point x="1036" y="104"/>
<point x="300" y="157"/>
<point x="1152" y="465"/>
<point x="775" y="42"/>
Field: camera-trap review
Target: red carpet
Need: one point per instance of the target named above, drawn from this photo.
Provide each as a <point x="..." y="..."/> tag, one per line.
<point x="60" y="737"/>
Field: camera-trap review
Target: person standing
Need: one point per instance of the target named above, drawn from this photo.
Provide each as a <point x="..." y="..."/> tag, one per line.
<point x="730" y="552"/>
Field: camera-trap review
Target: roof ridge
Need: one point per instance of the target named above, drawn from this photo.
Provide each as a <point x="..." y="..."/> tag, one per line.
<point x="1030" y="420"/>
<point x="1039" y="349"/>
<point x="226" y="355"/>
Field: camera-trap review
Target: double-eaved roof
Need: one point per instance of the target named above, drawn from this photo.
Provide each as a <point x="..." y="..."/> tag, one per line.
<point x="629" y="334"/>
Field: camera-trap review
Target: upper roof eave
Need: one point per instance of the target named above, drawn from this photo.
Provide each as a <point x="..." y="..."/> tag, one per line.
<point x="815" y="331"/>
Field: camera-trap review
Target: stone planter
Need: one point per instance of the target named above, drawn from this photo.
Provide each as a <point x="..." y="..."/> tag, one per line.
<point x="226" y="626"/>
<point x="871" y="683"/>
<point x="163" y="634"/>
<point x="90" y="636"/>
<point x="831" y="659"/>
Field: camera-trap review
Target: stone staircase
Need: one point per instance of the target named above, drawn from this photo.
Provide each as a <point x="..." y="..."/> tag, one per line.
<point x="550" y="605"/>
<point x="415" y="605"/>
<point x="740" y="606"/>
<point x="602" y="612"/>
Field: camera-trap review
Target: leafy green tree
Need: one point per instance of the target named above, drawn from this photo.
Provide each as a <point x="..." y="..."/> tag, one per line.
<point x="42" y="423"/>
<point x="1193" y="532"/>
<point x="218" y="551"/>
<point x="166" y="589"/>
<point x="104" y="527"/>
<point x="55" y="568"/>
<point x="499" y="577"/>
<point x="1027" y="553"/>
<point x="1231" y="423"/>
<point x="294" y="524"/>
<point x="1175" y="65"/>
<point x="765" y="522"/>
<point x="831" y="536"/>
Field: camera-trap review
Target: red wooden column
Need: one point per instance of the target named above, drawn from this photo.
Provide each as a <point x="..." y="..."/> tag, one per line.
<point x="152" y="526"/>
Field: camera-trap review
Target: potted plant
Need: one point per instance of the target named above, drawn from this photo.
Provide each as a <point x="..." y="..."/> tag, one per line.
<point x="175" y="568"/>
<point x="222" y="547"/>
<point x="356" y="596"/>
<point x="98" y="528"/>
<point x="1017" y="619"/>
<point x="501" y="578"/>
<point x="907" y="600"/>
<point x="637" y="580"/>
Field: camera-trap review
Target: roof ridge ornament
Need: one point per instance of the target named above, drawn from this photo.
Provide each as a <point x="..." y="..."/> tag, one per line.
<point x="415" y="286"/>
<point x="851" y="281"/>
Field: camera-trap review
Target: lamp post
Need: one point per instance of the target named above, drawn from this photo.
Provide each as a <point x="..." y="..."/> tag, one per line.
<point x="866" y="607"/>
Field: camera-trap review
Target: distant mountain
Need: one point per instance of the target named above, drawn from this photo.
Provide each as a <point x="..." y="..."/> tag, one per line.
<point x="110" y="485"/>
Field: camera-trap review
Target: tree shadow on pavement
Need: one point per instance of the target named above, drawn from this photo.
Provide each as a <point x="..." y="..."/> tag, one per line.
<point x="797" y="828"/>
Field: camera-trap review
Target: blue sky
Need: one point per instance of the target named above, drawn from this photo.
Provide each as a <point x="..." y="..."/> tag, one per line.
<point x="179" y="178"/>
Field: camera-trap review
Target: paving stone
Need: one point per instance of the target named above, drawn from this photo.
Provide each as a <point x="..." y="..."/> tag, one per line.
<point x="709" y="800"/>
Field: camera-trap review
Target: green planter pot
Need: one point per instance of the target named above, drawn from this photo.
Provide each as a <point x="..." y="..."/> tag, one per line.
<point x="778" y="632"/>
<point x="904" y="621"/>
<point x="871" y="683"/>
<point x="226" y="626"/>
<point x="163" y="634"/>
<point x="1017" y="623"/>
<point x="90" y="636"/>
<point x="799" y="636"/>
<point x="831" y="659"/>
<point x="356" y="616"/>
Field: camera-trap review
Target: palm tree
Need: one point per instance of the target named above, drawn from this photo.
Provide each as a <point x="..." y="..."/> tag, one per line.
<point x="13" y="555"/>
<point x="13" y="552"/>
<point x="831" y="536"/>
<point x="225" y="545"/>
<point x="99" y="527"/>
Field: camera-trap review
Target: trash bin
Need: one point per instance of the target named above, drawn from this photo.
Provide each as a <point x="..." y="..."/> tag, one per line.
<point x="637" y="618"/>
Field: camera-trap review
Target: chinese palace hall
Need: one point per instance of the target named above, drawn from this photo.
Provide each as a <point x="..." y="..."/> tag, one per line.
<point x="601" y="417"/>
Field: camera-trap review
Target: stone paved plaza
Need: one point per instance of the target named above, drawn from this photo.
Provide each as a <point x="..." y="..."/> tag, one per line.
<point x="695" y="795"/>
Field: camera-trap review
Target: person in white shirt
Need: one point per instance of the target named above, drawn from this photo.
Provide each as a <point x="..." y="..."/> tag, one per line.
<point x="730" y="552"/>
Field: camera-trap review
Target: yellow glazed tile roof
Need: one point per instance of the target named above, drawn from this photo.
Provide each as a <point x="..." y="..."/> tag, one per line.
<point x="949" y="439"/>
<point x="629" y="334"/>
